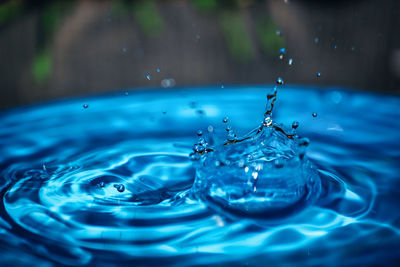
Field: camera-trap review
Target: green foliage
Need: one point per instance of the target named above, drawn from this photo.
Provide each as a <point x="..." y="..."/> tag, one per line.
<point x="148" y="18"/>
<point x="270" y="42"/>
<point x="41" y="67"/>
<point x="237" y="37"/>
<point x="9" y="10"/>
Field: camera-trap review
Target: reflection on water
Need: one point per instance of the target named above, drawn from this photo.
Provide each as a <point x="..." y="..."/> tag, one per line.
<point x="111" y="183"/>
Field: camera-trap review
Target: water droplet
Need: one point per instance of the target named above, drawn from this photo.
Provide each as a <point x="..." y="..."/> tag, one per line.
<point x="44" y="168"/>
<point x="353" y="48"/>
<point x="210" y="129"/>
<point x="85" y="106"/>
<point x="101" y="184"/>
<point x="198" y="148"/>
<point x="120" y="187"/>
<point x="282" y="52"/>
<point x="126" y="93"/>
<point x="290" y="61"/>
<point x="316" y="40"/>
<point x="148" y="76"/>
<point x="225" y="120"/>
<point x="334" y="46"/>
<point x="318" y="74"/>
<point x="123" y="50"/>
<point x="222" y="86"/>
<point x="314" y="114"/>
<point x="158" y="70"/>
<point x="199" y="133"/>
<point x="197" y="36"/>
<point x="278" y="33"/>
<point x="278" y="163"/>
<point x="168" y="83"/>
<point x="279" y="81"/>
<point x="295" y="124"/>
<point x="164" y="112"/>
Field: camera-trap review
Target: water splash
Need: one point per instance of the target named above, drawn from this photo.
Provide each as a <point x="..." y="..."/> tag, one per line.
<point x="262" y="175"/>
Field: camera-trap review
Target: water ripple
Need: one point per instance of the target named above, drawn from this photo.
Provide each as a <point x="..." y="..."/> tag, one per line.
<point x="112" y="184"/>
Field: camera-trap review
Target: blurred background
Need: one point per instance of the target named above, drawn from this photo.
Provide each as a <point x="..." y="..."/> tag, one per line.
<point x="55" y="49"/>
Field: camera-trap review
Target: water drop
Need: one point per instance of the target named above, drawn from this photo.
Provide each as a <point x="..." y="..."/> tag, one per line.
<point x="222" y="86"/>
<point x="101" y="184"/>
<point x="123" y="50"/>
<point x="282" y="52"/>
<point x="148" y="76"/>
<point x="295" y="124"/>
<point x="199" y="133"/>
<point x="279" y="81"/>
<point x="126" y="93"/>
<point x="314" y="114"/>
<point x="197" y="36"/>
<point x="278" y="163"/>
<point x="158" y="70"/>
<point x="318" y="74"/>
<point x="120" y="187"/>
<point x="278" y="33"/>
<point x="164" y="112"/>
<point x="334" y="46"/>
<point x="85" y="106"/>
<point x="210" y="129"/>
<point x="168" y="83"/>
<point x="290" y="61"/>
<point x="225" y="120"/>
<point x="316" y="40"/>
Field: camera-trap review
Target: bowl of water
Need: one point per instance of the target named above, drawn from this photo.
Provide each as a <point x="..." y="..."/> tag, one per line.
<point x="163" y="178"/>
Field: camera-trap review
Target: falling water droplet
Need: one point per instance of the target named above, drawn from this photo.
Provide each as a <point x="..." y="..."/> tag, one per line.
<point x="314" y="114"/>
<point x="225" y="120"/>
<point x="126" y="93"/>
<point x="222" y="87"/>
<point x="290" y="61"/>
<point x="282" y="52"/>
<point x="318" y="74"/>
<point x="168" y="83"/>
<point x="199" y="133"/>
<point x="120" y="187"/>
<point x="85" y="106"/>
<point x="316" y="40"/>
<point x="158" y="70"/>
<point x="210" y="129"/>
<point x="295" y="124"/>
<point x="148" y="76"/>
<point x="101" y="184"/>
<point x="278" y="33"/>
<point x="279" y="81"/>
<point x="123" y="50"/>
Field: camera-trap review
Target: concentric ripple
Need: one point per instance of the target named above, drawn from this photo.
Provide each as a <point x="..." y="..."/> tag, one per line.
<point x="112" y="183"/>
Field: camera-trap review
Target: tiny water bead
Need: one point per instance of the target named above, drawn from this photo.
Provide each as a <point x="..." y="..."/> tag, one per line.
<point x="148" y="77"/>
<point x="282" y="52"/>
<point x="290" y="61"/>
<point x="158" y="70"/>
<point x="278" y="33"/>
<point x="314" y="114"/>
<point x="318" y="74"/>
<point x="85" y="106"/>
<point x="295" y="124"/>
<point x="225" y="119"/>
<point x="279" y="81"/>
<point x="120" y="187"/>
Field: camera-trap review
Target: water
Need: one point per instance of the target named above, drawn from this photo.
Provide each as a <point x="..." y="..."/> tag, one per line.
<point x="112" y="184"/>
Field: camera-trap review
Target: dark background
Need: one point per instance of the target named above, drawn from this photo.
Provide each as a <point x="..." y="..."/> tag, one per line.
<point x="56" y="49"/>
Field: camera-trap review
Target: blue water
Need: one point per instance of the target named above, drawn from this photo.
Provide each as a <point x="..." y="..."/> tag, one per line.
<point x="111" y="183"/>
